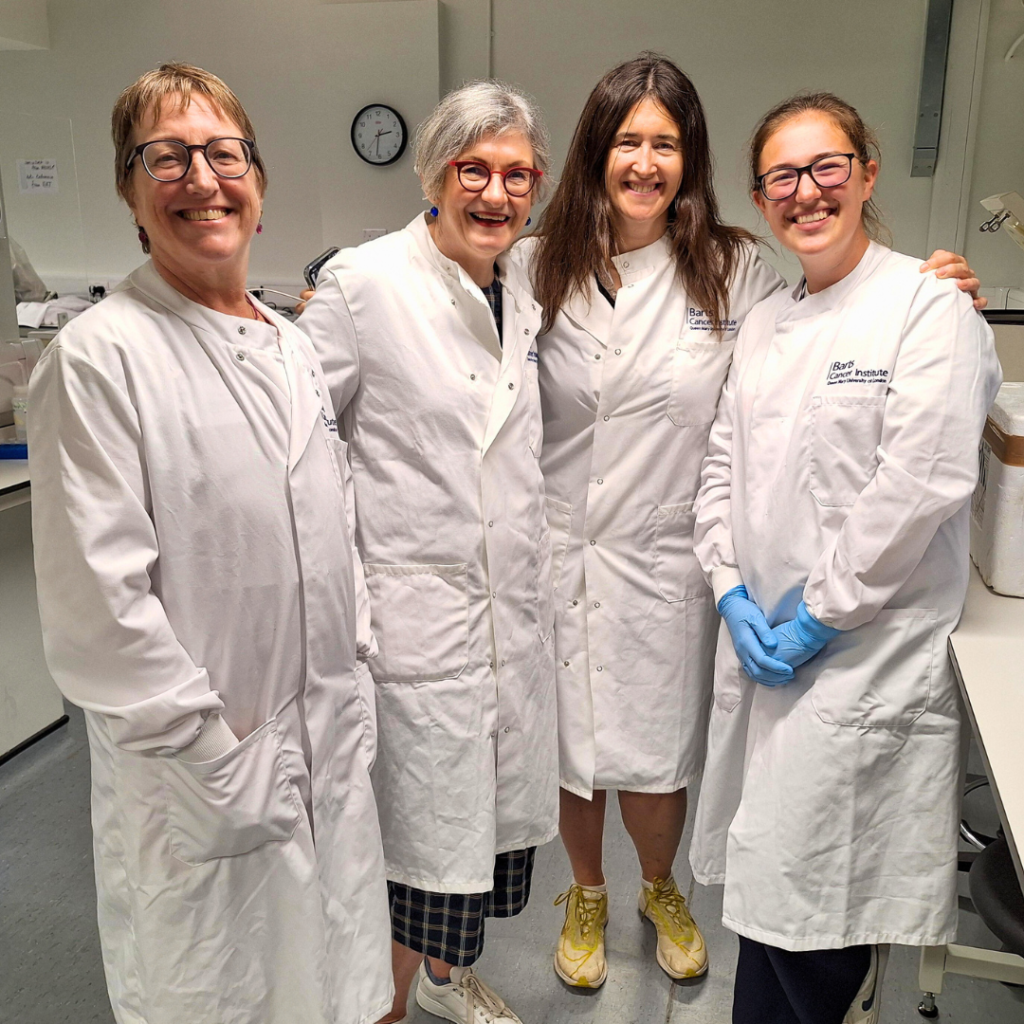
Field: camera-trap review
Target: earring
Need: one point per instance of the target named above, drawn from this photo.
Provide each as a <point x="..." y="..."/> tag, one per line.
<point x="433" y="211"/>
<point x="143" y="237"/>
<point x="259" y="228"/>
<point x="529" y="221"/>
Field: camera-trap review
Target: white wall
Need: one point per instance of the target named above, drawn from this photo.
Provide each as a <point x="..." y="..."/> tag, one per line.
<point x="303" y="68"/>
<point x="743" y="57"/>
<point x="999" y="157"/>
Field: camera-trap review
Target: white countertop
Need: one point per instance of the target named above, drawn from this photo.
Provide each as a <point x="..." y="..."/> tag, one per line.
<point x="13" y="474"/>
<point x="987" y="650"/>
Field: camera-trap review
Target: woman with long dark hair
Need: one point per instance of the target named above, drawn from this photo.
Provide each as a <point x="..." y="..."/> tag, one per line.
<point x="643" y="289"/>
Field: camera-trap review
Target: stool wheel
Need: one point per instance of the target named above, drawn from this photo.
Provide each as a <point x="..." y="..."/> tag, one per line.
<point x="927" y="1007"/>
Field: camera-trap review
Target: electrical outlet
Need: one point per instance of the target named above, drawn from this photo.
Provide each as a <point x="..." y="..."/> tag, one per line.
<point x="371" y="233"/>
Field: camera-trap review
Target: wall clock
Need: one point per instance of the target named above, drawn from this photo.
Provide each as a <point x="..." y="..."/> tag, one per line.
<point x="379" y="134"/>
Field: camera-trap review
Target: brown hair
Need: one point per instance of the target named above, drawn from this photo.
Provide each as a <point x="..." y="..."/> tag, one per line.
<point x="576" y="232"/>
<point x="862" y="139"/>
<point x="149" y="93"/>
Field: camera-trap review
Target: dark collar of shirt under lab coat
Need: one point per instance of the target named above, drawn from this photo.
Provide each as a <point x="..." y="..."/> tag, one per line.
<point x="492" y="293"/>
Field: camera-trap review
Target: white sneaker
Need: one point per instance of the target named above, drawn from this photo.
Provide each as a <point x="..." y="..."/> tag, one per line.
<point x="467" y="1000"/>
<point x="866" y="1003"/>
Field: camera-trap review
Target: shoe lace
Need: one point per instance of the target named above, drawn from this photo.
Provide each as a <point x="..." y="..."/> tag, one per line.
<point x="665" y="893"/>
<point x="587" y="908"/>
<point x="480" y="996"/>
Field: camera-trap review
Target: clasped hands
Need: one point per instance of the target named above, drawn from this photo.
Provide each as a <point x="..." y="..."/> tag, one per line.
<point x="769" y="655"/>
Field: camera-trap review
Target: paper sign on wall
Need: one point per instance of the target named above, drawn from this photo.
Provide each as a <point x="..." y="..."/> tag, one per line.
<point x="37" y="176"/>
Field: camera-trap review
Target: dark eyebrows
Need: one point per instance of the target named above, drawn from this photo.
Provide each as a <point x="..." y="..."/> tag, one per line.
<point x="814" y="160"/>
<point x="623" y="136"/>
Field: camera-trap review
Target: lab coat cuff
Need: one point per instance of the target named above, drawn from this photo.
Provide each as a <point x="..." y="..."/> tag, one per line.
<point x="723" y="579"/>
<point x="215" y="738"/>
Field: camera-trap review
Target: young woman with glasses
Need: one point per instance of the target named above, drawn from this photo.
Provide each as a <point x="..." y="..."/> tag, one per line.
<point x="832" y="520"/>
<point x="644" y="290"/>
<point x="428" y="338"/>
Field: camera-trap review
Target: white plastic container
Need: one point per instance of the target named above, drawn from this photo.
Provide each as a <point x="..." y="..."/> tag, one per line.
<point x="997" y="508"/>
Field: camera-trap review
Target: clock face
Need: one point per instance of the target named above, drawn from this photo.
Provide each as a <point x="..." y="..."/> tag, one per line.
<point x="378" y="134"/>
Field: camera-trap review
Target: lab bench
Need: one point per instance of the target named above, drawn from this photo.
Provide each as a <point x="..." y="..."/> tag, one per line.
<point x="30" y="703"/>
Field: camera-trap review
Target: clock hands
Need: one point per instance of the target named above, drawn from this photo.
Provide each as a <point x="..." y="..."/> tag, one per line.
<point x="377" y="138"/>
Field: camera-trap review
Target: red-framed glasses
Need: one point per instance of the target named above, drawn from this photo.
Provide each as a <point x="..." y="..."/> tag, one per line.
<point x="475" y="177"/>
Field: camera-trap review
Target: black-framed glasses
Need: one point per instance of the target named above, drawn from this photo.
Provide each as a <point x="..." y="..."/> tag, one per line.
<point x="170" y="160"/>
<point x="826" y="172"/>
<point x="475" y="177"/>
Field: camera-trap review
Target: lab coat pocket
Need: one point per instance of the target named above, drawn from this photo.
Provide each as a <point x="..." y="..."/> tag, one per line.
<point x="845" y="436"/>
<point x="699" y="369"/>
<point x="232" y="804"/>
<point x="879" y="675"/>
<point x="559" y="515"/>
<point x="420" y="617"/>
<point x="676" y="569"/>
<point x="339" y="459"/>
<point x="536" y="428"/>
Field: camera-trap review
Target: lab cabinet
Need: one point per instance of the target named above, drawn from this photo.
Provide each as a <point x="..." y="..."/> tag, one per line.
<point x="30" y="703"/>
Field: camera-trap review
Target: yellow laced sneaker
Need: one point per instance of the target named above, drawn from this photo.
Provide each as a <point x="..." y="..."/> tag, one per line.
<point x="579" y="958"/>
<point x="681" y="949"/>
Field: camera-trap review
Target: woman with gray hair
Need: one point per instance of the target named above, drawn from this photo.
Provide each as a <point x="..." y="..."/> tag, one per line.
<point x="428" y="342"/>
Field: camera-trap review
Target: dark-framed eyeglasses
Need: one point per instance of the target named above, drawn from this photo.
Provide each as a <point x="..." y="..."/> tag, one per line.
<point x="170" y="160"/>
<point x="826" y="172"/>
<point x="475" y="177"/>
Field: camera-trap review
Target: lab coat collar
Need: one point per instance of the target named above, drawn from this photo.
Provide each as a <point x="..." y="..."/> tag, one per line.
<point x="147" y="280"/>
<point x="829" y="298"/>
<point x="640" y="263"/>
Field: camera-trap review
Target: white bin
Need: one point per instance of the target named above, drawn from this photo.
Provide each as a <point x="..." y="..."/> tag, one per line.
<point x="997" y="508"/>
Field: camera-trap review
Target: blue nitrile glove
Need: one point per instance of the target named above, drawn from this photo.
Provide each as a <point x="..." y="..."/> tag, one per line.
<point x="801" y="638"/>
<point x="752" y="638"/>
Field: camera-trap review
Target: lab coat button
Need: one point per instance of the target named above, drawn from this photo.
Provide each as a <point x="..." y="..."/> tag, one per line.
<point x="502" y="662"/>
<point x="472" y="376"/>
<point x="600" y="668"/>
<point x="597" y="356"/>
<point x="491" y="664"/>
<point x="597" y="604"/>
<point x="618" y="351"/>
<point x="241" y="329"/>
<point x="507" y="728"/>
<point x="526" y="330"/>
<point x="606" y="419"/>
<point x="490" y="522"/>
<point x="625" y="264"/>
<point x="494" y="593"/>
<point x="593" y="542"/>
<point x="453" y="302"/>
<point x="575" y="603"/>
<point x="240" y="356"/>
<point x="600" y="480"/>
<point x="511" y="387"/>
<point x="566" y="664"/>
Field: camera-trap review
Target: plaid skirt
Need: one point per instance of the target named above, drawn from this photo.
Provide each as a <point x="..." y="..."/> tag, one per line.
<point x="449" y="926"/>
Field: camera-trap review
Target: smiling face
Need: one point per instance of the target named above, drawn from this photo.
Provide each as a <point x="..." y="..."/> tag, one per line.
<point x="472" y="228"/>
<point x="200" y="224"/>
<point x="643" y="173"/>
<point x="822" y="226"/>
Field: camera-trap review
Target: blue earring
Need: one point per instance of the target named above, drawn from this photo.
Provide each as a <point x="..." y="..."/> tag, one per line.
<point x="433" y="211"/>
<point x="529" y="221"/>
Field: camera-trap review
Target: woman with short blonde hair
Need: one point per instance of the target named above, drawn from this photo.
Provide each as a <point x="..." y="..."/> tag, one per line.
<point x="198" y="596"/>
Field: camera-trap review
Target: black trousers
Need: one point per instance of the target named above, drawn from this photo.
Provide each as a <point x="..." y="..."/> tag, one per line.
<point x="775" y="986"/>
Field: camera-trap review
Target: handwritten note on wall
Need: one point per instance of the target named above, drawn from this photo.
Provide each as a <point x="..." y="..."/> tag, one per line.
<point x="39" y="176"/>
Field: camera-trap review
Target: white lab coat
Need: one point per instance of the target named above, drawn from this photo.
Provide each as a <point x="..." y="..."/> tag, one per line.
<point x="193" y="556"/>
<point x="843" y="454"/>
<point x="629" y="394"/>
<point x="444" y="432"/>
